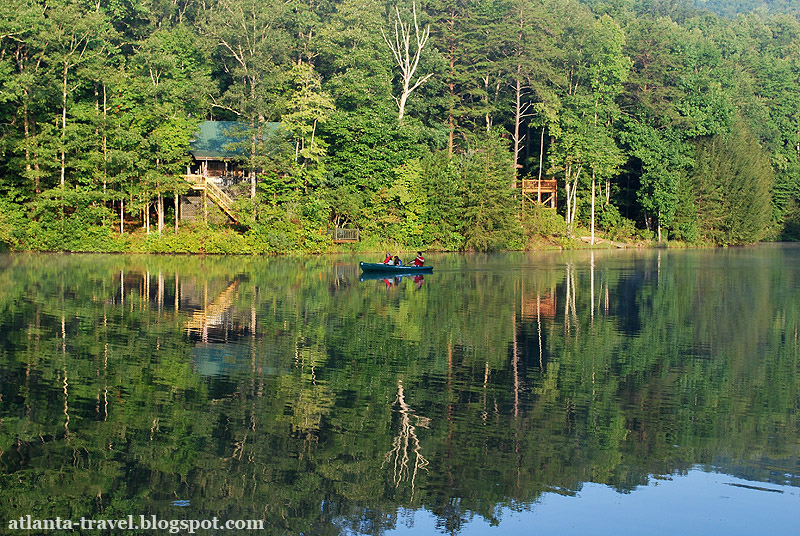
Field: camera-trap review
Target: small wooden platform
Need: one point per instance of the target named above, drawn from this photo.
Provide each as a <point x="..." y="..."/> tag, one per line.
<point x="538" y="191"/>
<point x="341" y="235"/>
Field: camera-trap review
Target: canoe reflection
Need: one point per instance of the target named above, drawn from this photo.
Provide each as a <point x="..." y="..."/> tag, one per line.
<point x="418" y="279"/>
<point x="374" y="276"/>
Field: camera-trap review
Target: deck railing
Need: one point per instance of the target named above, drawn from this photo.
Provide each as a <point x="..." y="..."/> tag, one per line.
<point x="219" y="197"/>
<point x="535" y="185"/>
<point x="341" y="234"/>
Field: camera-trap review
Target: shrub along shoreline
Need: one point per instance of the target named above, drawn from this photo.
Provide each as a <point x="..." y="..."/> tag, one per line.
<point x="224" y="240"/>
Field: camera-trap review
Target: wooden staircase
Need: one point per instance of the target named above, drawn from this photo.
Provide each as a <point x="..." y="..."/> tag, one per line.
<point x="215" y="193"/>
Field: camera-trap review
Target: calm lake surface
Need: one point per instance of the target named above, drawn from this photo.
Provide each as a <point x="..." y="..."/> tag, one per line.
<point x="605" y="392"/>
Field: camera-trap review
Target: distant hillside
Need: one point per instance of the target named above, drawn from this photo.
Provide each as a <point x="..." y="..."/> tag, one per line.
<point x="679" y="10"/>
<point x="729" y="8"/>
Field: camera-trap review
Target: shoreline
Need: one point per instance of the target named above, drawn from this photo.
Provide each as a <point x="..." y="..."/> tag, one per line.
<point x="227" y="241"/>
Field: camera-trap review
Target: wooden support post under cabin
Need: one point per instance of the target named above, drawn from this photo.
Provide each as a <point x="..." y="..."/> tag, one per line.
<point x="205" y="192"/>
<point x="529" y="187"/>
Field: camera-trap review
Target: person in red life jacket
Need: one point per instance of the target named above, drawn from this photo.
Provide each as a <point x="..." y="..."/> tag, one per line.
<point x="419" y="261"/>
<point x="388" y="259"/>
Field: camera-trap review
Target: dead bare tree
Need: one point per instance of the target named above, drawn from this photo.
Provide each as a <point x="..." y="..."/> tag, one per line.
<point x="407" y="60"/>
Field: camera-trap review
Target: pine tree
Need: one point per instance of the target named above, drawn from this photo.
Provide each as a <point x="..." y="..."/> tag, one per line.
<point x="733" y="180"/>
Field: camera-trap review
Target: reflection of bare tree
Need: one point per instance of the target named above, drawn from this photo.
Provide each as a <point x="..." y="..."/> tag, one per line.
<point x="406" y="456"/>
<point x="66" y="385"/>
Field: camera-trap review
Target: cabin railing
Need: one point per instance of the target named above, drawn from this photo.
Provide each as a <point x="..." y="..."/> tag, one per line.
<point x="538" y="191"/>
<point x="536" y="185"/>
<point x="217" y="195"/>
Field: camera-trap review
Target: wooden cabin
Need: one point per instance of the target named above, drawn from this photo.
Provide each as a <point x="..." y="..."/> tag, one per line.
<point x="219" y="149"/>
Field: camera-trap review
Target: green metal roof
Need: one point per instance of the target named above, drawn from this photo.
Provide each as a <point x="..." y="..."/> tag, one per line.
<point x="217" y="140"/>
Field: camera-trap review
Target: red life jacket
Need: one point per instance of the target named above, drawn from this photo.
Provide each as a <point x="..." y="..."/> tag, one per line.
<point x="419" y="261"/>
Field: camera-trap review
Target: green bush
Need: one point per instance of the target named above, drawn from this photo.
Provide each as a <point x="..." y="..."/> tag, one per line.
<point x="686" y="231"/>
<point x="543" y="221"/>
<point x="12" y="224"/>
<point x="614" y="224"/>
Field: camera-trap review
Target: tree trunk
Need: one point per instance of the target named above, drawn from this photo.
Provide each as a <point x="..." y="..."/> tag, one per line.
<point x="451" y="86"/>
<point x="402" y="104"/>
<point x="541" y="160"/>
<point x="517" y="119"/>
<point x="105" y="142"/>
<point x="659" y="226"/>
<point x="160" y="211"/>
<point x="569" y="201"/>
<point x="63" y="125"/>
<point x="252" y="166"/>
<point x="571" y="187"/>
<point x="592" y="207"/>
<point x="450" y="135"/>
<point x="27" y="131"/>
<point x="487" y="117"/>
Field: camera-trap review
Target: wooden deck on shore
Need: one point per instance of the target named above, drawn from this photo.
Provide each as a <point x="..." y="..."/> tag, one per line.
<point x="538" y="191"/>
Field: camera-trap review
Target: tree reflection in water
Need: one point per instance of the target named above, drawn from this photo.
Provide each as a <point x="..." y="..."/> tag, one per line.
<point x="399" y="457"/>
<point x="269" y="388"/>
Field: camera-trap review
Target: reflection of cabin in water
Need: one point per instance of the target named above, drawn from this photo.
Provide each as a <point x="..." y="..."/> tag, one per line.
<point x="209" y="306"/>
<point x="539" y="306"/>
<point x="212" y="313"/>
<point x="215" y="313"/>
<point x="217" y="171"/>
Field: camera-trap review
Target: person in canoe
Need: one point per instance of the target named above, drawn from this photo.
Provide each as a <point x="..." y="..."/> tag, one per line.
<point x="388" y="259"/>
<point x="419" y="261"/>
<point x="397" y="261"/>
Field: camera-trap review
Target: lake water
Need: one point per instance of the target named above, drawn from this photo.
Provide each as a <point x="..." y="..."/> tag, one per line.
<point x="652" y="392"/>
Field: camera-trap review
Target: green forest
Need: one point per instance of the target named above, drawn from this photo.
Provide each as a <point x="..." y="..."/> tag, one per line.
<point x="662" y="121"/>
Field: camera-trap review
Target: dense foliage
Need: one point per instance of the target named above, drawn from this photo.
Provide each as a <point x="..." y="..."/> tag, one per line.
<point x="644" y="102"/>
